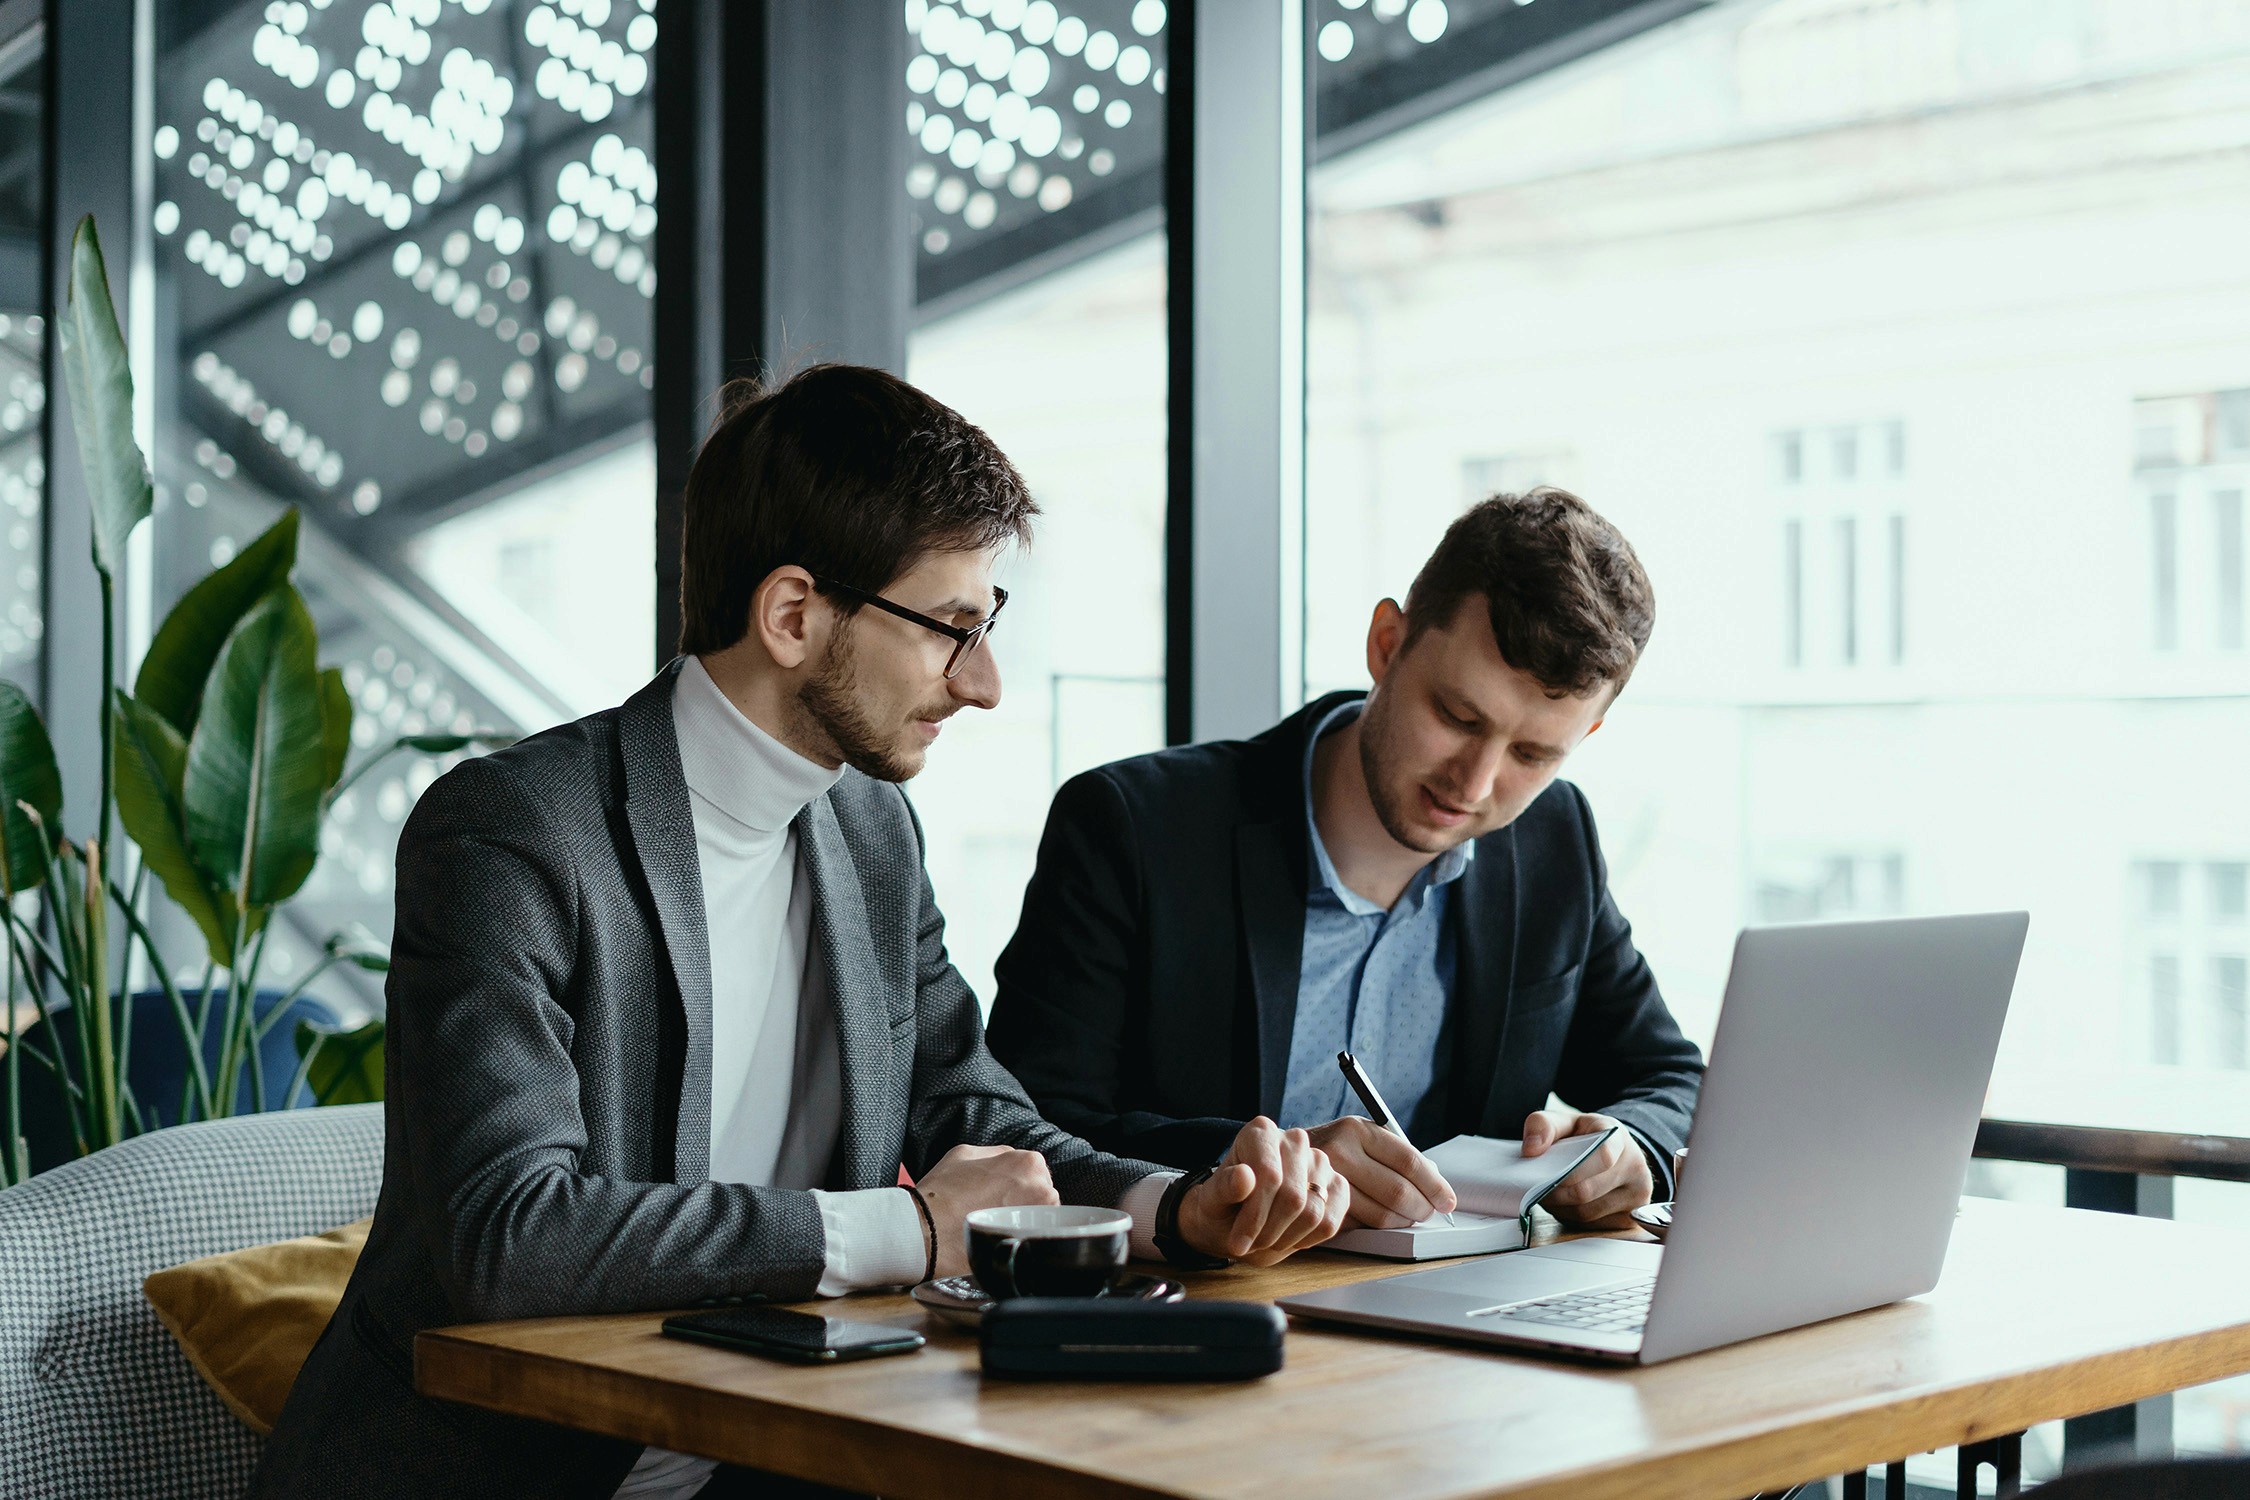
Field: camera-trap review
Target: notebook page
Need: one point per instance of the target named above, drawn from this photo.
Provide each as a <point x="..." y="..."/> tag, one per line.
<point x="1494" y="1177"/>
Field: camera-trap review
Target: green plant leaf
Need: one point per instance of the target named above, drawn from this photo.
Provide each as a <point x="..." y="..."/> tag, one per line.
<point x="187" y="643"/>
<point x="255" y="761"/>
<point x="151" y="761"/>
<point x="446" y="744"/>
<point x="349" y="1069"/>
<point x="335" y="725"/>
<point x="361" y="949"/>
<point x="27" y="774"/>
<point x="101" y="401"/>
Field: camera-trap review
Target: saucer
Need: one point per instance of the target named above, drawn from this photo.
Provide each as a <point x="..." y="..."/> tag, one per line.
<point x="961" y="1302"/>
<point x="1655" y="1218"/>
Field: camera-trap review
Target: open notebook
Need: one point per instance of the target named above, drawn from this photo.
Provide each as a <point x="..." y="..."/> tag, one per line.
<point x="1498" y="1187"/>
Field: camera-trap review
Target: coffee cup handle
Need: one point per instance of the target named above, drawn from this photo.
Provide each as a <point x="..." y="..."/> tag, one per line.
<point x="1008" y="1249"/>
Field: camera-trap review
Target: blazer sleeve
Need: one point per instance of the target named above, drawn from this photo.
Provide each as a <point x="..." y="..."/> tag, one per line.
<point x="1625" y="1056"/>
<point x="963" y="1095"/>
<point x="1071" y="988"/>
<point x="483" y="1089"/>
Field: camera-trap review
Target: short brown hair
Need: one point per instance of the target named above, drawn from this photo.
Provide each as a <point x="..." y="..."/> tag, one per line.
<point x="845" y="471"/>
<point x="1567" y="597"/>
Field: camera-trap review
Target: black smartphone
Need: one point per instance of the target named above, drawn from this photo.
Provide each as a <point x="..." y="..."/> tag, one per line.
<point x="802" y="1338"/>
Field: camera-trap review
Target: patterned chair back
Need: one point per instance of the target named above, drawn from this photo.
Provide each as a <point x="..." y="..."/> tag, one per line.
<point x="95" y="1398"/>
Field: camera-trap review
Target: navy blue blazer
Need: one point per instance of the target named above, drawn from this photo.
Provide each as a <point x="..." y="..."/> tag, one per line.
<point x="1147" y="997"/>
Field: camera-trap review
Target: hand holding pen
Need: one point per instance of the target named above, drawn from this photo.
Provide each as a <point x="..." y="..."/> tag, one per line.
<point x="1392" y="1183"/>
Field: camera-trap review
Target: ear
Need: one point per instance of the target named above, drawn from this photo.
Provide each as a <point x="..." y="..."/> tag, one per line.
<point x="785" y="619"/>
<point x="1386" y="637"/>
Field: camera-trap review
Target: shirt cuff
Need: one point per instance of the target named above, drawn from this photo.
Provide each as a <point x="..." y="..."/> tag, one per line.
<point x="1141" y="1200"/>
<point x="874" y="1239"/>
<point x="1659" y="1163"/>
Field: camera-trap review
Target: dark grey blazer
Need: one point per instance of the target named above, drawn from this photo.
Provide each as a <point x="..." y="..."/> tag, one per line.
<point x="549" y="1079"/>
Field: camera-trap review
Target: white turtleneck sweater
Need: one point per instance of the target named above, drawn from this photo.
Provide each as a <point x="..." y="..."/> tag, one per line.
<point x="777" y="1093"/>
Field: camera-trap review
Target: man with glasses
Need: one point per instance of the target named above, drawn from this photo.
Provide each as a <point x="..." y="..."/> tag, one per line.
<point x="669" y="1004"/>
<point x="1397" y="874"/>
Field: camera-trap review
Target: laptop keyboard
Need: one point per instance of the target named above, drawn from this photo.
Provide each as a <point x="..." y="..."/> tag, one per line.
<point x="1608" y="1309"/>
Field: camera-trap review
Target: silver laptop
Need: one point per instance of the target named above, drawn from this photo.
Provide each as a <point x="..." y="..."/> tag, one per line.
<point x="1825" y="1166"/>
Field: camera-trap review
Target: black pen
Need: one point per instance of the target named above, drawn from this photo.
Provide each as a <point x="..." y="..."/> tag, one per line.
<point x="1372" y="1101"/>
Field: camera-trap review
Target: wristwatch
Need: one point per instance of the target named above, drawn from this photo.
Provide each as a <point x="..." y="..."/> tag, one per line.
<point x="1175" y="1249"/>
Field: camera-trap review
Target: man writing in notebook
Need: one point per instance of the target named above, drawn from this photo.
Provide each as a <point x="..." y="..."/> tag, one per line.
<point x="1397" y="874"/>
<point x="669" y="997"/>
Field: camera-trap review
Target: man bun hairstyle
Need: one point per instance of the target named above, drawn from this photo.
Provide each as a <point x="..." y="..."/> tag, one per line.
<point x="1568" y="600"/>
<point x="845" y="471"/>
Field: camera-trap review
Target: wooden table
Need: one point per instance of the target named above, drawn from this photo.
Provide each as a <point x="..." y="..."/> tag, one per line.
<point x="2042" y="1314"/>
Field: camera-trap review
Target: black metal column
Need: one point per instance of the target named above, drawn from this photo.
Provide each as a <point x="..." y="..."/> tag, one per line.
<point x="2144" y="1429"/>
<point x="783" y="231"/>
<point x="1183" y="27"/>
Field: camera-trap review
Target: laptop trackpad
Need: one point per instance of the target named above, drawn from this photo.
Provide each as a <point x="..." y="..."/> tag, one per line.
<point x="1545" y="1272"/>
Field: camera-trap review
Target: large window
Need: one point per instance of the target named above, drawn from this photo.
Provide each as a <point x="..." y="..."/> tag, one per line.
<point x="1907" y="344"/>
<point x="1036" y="179"/>
<point x="23" y="335"/>
<point x="402" y="259"/>
<point x="1860" y="335"/>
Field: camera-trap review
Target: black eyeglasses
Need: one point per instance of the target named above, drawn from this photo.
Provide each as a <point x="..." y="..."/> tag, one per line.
<point x="965" y="640"/>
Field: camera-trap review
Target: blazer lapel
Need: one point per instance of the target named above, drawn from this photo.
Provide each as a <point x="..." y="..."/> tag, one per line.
<point x="663" y="828"/>
<point x="1484" y="928"/>
<point x="1270" y="887"/>
<point x="854" y="981"/>
<point x="1273" y="857"/>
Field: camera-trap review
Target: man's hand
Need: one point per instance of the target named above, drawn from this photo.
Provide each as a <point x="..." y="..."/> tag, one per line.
<point x="1274" y="1194"/>
<point x="1602" y="1189"/>
<point x="1392" y="1184"/>
<point x="968" y="1178"/>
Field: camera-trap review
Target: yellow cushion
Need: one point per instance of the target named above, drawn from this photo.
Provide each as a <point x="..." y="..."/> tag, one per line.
<point x="246" y="1320"/>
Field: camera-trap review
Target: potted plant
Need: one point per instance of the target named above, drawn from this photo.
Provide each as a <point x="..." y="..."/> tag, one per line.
<point x="221" y="763"/>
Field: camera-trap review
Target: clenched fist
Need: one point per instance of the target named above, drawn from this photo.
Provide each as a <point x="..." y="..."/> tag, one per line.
<point x="968" y="1178"/>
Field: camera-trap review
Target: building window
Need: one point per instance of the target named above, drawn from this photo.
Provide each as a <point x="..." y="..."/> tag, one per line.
<point x="2191" y="466"/>
<point x="2227" y="1050"/>
<point x="1793" y="590"/>
<point x="2164" y="548"/>
<point x="2164" y="1009"/>
<point x="2194" y="939"/>
<point x="1846" y="482"/>
<point x="2226" y="536"/>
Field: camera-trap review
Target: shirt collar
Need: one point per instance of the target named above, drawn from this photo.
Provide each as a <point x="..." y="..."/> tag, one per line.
<point x="1444" y="870"/>
<point x="733" y="764"/>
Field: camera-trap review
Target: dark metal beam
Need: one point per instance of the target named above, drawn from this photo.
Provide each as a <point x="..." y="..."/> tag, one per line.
<point x="839" y="262"/>
<point x="1183" y="25"/>
<point x="782" y="231"/>
<point x="383" y="242"/>
<point x="1506" y="47"/>
<point x="1125" y="210"/>
<point x="709" y="241"/>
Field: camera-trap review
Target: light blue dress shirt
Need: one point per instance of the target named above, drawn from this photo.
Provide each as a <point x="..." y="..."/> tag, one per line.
<point x="1370" y="982"/>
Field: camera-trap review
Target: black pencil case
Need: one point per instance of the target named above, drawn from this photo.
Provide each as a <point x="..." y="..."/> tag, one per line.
<point x="1089" y="1339"/>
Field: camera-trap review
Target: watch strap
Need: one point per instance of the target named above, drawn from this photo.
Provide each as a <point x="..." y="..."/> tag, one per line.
<point x="1169" y="1244"/>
